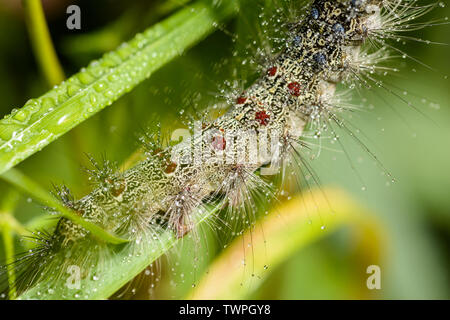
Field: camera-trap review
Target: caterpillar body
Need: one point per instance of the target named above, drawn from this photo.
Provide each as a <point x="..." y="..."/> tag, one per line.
<point x="225" y="159"/>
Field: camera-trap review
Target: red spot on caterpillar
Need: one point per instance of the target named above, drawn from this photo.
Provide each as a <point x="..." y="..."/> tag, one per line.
<point x="294" y="88"/>
<point x="241" y="100"/>
<point x="219" y="143"/>
<point x="272" y="71"/>
<point x="262" y="117"/>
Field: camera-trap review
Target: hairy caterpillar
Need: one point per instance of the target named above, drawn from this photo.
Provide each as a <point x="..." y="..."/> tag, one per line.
<point x="227" y="157"/>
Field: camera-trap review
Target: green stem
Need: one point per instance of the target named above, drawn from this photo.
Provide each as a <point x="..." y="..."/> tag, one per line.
<point x="113" y="34"/>
<point x="42" y="43"/>
<point x="9" y="255"/>
<point x="25" y="184"/>
<point x="123" y="266"/>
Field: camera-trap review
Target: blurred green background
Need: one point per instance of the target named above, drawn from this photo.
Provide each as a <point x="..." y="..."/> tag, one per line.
<point x="415" y="210"/>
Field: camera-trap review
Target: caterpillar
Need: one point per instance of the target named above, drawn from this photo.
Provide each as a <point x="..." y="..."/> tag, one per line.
<point x="225" y="160"/>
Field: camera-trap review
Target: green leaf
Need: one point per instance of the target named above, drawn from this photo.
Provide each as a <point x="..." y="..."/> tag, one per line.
<point x="43" y="120"/>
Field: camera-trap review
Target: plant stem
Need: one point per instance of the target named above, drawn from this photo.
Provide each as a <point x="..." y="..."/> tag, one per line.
<point x="9" y="255"/>
<point x="25" y="184"/>
<point x="42" y="43"/>
<point x="122" y="267"/>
